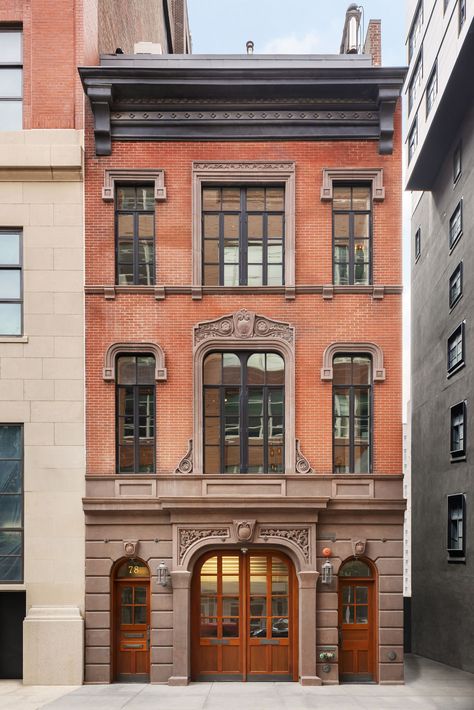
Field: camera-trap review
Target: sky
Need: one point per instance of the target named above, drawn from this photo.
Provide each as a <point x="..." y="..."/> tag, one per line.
<point x="305" y="27"/>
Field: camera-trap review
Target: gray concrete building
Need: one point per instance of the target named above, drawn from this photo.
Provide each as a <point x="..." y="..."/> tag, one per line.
<point x="440" y="159"/>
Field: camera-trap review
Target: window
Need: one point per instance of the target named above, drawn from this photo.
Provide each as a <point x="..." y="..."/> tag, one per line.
<point x="352" y="226"/>
<point x="455" y="285"/>
<point x="431" y="89"/>
<point x="10" y="282"/>
<point x="352" y="413"/>
<point x="413" y="139"/>
<point x="417" y="244"/>
<point x="11" y="503"/>
<point x="456" y="349"/>
<point x="11" y="79"/>
<point x="244" y="396"/>
<point x="135" y="235"/>
<point x="456" y="517"/>
<point x="462" y="13"/>
<point x="415" y="82"/>
<point x="415" y="32"/>
<point x="445" y="5"/>
<point x="135" y="413"/>
<point x="243" y="236"/>
<point x="455" y="226"/>
<point x="458" y="439"/>
<point x="457" y="163"/>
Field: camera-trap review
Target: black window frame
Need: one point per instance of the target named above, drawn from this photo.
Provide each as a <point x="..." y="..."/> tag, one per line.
<point x="413" y="139"/>
<point x="456" y="502"/>
<point x="455" y="276"/>
<point x="19" y="529"/>
<point x="136" y="423"/>
<point x="243" y="239"/>
<point x="455" y="237"/>
<point x="456" y="337"/>
<point x="14" y="65"/>
<point x="417" y="244"/>
<point x="14" y="267"/>
<point x="243" y="417"/>
<point x="416" y="81"/>
<point x="462" y="14"/>
<point x="459" y="409"/>
<point x="352" y="238"/>
<point x="415" y="25"/>
<point x="445" y="5"/>
<point x="352" y="444"/>
<point x="136" y="240"/>
<point x="432" y="82"/>
<point x="457" y="163"/>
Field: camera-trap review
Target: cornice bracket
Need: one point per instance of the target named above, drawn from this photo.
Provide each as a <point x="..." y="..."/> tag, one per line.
<point x="386" y="103"/>
<point x="100" y="97"/>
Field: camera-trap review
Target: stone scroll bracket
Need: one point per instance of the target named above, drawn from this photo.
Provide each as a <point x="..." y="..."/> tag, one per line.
<point x="387" y="101"/>
<point x="116" y="349"/>
<point x="372" y="175"/>
<point x="186" y="463"/>
<point x="378" y="370"/>
<point x="101" y="97"/>
<point x="132" y="175"/>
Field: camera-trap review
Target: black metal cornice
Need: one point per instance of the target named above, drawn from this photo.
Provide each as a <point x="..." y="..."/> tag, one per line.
<point x="151" y="99"/>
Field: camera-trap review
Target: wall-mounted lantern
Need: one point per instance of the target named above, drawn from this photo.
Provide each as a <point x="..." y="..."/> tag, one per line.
<point x="163" y="574"/>
<point x="326" y="570"/>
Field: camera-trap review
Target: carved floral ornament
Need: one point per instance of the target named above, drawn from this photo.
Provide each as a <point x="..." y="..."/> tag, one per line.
<point x="244" y="325"/>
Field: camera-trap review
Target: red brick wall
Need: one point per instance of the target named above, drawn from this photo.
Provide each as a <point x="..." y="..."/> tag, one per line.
<point x="318" y="323"/>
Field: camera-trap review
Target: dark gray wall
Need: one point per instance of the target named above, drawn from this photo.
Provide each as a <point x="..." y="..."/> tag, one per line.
<point x="442" y="603"/>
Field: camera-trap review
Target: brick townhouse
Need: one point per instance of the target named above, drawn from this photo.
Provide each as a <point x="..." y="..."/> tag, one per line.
<point x="244" y="508"/>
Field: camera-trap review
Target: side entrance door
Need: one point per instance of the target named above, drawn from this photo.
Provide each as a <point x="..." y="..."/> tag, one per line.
<point x="132" y="629"/>
<point x="244" y="617"/>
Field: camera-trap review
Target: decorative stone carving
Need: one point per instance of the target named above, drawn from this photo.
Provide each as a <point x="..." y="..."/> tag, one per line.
<point x="243" y="325"/>
<point x="244" y="530"/>
<point x="299" y="536"/>
<point x="302" y="463"/>
<point x="186" y="463"/>
<point x="130" y="548"/>
<point x="232" y="167"/>
<point x="188" y="536"/>
<point x="358" y="547"/>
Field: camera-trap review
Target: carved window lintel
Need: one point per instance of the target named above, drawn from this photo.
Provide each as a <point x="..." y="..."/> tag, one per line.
<point x="122" y="348"/>
<point x="132" y="175"/>
<point x="378" y="370"/>
<point x="372" y="175"/>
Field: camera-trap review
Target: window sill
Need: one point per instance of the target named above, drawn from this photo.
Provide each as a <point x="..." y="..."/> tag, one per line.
<point x="13" y="338"/>
<point x="455" y="458"/>
<point x="456" y="560"/>
<point x="455" y="369"/>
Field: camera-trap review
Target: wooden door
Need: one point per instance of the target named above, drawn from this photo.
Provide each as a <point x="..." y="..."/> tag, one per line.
<point x="356" y="630"/>
<point x="244" y="617"/>
<point x="132" y="630"/>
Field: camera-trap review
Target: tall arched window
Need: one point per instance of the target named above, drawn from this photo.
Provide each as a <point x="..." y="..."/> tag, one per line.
<point x="135" y="412"/>
<point x="352" y="413"/>
<point x="244" y="395"/>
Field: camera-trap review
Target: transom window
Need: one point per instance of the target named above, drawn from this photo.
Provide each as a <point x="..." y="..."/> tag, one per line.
<point x="352" y="413"/>
<point x="456" y="517"/>
<point x="456" y="349"/>
<point x="244" y="395"/>
<point x="351" y="233"/>
<point x="10" y="282"/>
<point x="136" y="414"/>
<point x="11" y="503"/>
<point x="135" y="235"/>
<point x="11" y="79"/>
<point x="243" y="236"/>
<point x="455" y="225"/>
<point x="458" y="439"/>
<point x="455" y="285"/>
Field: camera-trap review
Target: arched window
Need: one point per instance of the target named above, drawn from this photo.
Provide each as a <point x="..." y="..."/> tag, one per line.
<point x="352" y="413"/>
<point x="244" y="395"/>
<point x="135" y="413"/>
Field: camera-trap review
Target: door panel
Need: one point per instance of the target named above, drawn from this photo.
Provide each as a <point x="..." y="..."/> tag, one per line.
<point x="357" y="629"/>
<point x="132" y="630"/>
<point x="244" y="617"/>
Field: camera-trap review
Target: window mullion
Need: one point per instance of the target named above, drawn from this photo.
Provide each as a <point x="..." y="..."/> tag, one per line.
<point x="265" y="250"/>
<point x="265" y="394"/>
<point x="351" y="249"/>
<point x="351" y="428"/>
<point x="135" y="247"/>
<point x="136" y="450"/>
<point x="221" y="248"/>
<point x="244" y="415"/>
<point x="243" y="239"/>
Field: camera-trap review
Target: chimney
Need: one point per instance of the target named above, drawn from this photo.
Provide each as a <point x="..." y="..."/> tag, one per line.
<point x="350" y="42"/>
<point x="373" y="42"/>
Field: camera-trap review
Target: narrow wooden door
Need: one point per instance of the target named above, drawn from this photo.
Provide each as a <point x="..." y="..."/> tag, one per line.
<point x="132" y="630"/>
<point x="356" y="630"/>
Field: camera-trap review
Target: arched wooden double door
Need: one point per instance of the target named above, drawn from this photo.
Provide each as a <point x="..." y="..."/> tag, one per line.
<point x="131" y="638"/>
<point x="244" y="617"/>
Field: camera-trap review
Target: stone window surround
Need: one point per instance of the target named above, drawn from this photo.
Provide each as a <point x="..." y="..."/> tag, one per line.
<point x="378" y="370"/>
<point x="133" y="175"/>
<point x="116" y="349"/>
<point x="222" y="335"/>
<point x="372" y="175"/>
<point x="224" y="173"/>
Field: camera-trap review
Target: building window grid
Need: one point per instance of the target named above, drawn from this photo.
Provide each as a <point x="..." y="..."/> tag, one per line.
<point x="11" y="282"/>
<point x="415" y="82"/>
<point x="458" y="429"/>
<point x="243" y="232"/>
<point x="135" y="413"/>
<point x="455" y="226"/>
<point x="352" y="414"/>
<point x="462" y="13"/>
<point x="445" y="5"/>
<point x="455" y="285"/>
<point x="11" y="78"/>
<point x="456" y="543"/>
<point x="135" y="235"/>
<point x="11" y="503"/>
<point x="413" y="139"/>
<point x="415" y="32"/>
<point x="352" y="231"/>
<point x="456" y="349"/>
<point x="457" y="163"/>
<point x="417" y="244"/>
<point x="432" y="89"/>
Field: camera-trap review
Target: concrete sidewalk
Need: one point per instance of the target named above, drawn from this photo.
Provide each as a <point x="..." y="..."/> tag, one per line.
<point x="429" y="686"/>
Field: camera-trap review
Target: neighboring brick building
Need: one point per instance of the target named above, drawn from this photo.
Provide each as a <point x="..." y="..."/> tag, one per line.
<point x="228" y="333"/>
<point x="42" y="329"/>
